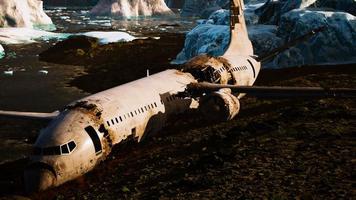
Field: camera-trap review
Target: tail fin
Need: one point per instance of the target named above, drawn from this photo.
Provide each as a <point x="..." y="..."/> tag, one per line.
<point x="240" y="44"/>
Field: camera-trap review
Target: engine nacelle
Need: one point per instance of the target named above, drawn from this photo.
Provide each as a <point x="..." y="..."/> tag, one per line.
<point x="220" y="105"/>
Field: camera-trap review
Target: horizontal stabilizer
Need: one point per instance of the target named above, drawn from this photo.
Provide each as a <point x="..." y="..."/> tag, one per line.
<point x="276" y="91"/>
<point x="29" y="115"/>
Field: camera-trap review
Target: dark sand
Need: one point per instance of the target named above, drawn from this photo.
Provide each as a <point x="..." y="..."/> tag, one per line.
<point x="275" y="149"/>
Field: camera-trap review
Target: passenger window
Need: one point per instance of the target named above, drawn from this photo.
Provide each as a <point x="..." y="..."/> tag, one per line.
<point x="112" y="121"/>
<point x="131" y="114"/>
<point x="65" y="149"/>
<point x="71" y="146"/>
<point x="117" y="121"/>
<point x="120" y="118"/>
<point x="155" y="105"/>
<point x="142" y="110"/>
<point x="108" y="123"/>
<point x="95" y="139"/>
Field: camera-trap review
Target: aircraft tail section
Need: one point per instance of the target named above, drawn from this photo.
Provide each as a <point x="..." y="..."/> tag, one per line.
<point x="240" y="43"/>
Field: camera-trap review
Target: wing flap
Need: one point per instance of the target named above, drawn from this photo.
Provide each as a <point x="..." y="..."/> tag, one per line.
<point x="276" y="91"/>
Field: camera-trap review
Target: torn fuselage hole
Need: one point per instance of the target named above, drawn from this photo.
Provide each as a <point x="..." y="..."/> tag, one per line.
<point x="207" y="68"/>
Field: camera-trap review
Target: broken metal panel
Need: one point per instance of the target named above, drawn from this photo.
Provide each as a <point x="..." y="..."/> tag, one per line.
<point x="220" y="105"/>
<point x="208" y="68"/>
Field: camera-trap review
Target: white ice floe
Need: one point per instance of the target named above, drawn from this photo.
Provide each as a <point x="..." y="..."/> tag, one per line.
<point x="42" y="72"/>
<point x="2" y="52"/>
<point x="27" y="35"/>
<point x="9" y="73"/>
<point x="109" y="37"/>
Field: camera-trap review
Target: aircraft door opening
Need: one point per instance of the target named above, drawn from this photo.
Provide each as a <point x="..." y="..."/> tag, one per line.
<point x="95" y="138"/>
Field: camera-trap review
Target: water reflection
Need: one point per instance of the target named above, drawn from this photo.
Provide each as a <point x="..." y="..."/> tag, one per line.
<point x="72" y="20"/>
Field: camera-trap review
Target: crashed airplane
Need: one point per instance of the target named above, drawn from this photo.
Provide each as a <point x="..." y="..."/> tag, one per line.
<point x="82" y="135"/>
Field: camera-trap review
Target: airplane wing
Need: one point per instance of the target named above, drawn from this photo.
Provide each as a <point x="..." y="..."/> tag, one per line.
<point x="275" y="91"/>
<point x="29" y="115"/>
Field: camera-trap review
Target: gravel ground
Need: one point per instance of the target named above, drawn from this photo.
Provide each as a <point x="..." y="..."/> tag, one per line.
<point x="274" y="149"/>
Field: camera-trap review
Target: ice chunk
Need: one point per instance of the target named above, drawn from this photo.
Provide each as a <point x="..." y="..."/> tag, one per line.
<point x="2" y="52"/>
<point x="9" y="73"/>
<point x="109" y="37"/>
<point x="131" y="8"/>
<point x="24" y="13"/>
<point x="27" y="35"/>
<point x="42" y="72"/>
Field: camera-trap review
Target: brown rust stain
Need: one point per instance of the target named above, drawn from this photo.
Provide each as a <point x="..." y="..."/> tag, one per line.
<point x="206" y="68"/>
<point x="94" y="112"/>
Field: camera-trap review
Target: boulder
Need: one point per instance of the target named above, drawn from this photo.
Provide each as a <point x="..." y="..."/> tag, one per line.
<point x="341" y="5"/>
<point x="337" y="44"/>
<point x="204" y="39"/>
<point x="214" y="39"/>
<point x="203" y="8"/>
<point x="131" y="8"/>
<point x="24" y="13"/>
<point x="272" y="11"/>
<point x="175" y="3"/>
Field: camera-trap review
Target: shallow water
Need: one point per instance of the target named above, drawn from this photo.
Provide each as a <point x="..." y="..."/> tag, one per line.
<point x="74" y="20"/>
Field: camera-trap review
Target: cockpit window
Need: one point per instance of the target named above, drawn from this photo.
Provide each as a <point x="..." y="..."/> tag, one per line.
<point x="64" y="149"/>
<point x="72" y="146"/>
<point x="57" y="150"/>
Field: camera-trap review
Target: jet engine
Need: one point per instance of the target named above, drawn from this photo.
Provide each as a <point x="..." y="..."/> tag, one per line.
<point x="220" y="105"/>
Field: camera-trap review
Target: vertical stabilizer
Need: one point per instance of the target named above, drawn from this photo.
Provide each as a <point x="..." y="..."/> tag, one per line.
<point x="240" y="44"/>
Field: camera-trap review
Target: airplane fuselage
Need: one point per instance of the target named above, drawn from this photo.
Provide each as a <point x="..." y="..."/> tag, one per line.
<point x="83" y="134"/>
<point x="85" y="131"/>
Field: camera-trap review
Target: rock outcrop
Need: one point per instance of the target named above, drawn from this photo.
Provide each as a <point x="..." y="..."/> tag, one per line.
<point x="175" y="3"/>
<point x="204" y="39"/>
<point x="273" y="10"/>
<point x="24" y="13"/>
<point x="131" y="8"/>
<point x="335" y="45"/>
<point x="203" y="8"/>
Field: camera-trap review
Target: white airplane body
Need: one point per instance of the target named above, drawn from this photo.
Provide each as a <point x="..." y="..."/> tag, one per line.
<point x="83" y="134"/>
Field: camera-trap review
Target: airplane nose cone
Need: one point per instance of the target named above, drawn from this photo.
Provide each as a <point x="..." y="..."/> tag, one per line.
<point x="38" y="178"/>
